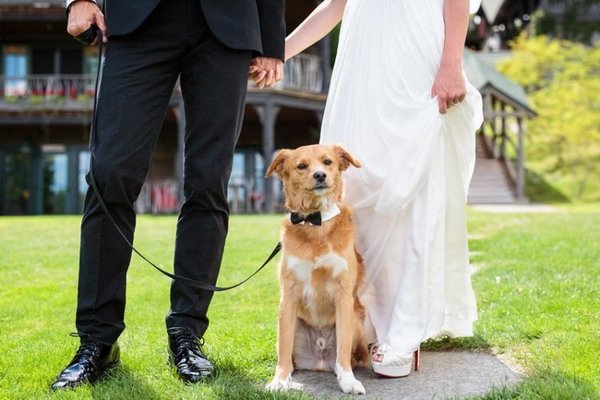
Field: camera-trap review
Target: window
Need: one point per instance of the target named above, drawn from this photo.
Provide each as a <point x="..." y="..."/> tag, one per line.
<point x="15" y="70"/>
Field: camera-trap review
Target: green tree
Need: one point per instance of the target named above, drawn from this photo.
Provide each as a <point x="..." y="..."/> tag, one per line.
<point x="563" y="83"/>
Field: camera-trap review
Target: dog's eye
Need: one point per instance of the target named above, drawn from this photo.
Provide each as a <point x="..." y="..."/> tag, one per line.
<point x="327" y="162"/>
<point x="302" y="166"/>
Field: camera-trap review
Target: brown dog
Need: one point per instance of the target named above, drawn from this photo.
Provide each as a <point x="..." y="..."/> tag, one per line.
<point x="320" y="316"/>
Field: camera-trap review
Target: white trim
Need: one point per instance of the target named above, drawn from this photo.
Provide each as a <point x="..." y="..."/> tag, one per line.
<point x="330" y="213"/>
<point x="72" y="1"/>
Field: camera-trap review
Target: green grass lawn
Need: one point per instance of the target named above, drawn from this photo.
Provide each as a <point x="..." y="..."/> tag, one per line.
<point x="537" y="286"/>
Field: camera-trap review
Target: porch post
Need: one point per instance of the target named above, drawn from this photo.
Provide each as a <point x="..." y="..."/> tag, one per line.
<point x="497" y="143"/>
<point x="36" y="181"/>
<point x="325" y="51"/>
<point x="249" y="179"/>
<point x="487" y="106"/>
<point x="503" y="133"/>
<point x="521" y="160"/>
<point x="267" y="114"/>
<point x="179" y="112"/>
<point x="72" y="198"/>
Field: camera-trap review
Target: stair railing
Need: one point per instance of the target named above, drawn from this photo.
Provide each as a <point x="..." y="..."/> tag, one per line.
<point x="504" y="136"/>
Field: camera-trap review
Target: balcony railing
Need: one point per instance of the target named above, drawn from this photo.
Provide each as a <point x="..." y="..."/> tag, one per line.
<point x="45" y="90"/>
<point x="303" y="73"/>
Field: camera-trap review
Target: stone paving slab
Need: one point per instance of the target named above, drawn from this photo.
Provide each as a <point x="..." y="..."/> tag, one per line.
<point x="440" y="375"/>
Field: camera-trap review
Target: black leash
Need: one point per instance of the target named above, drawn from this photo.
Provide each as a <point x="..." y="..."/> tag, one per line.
<point x="88" y="37"/>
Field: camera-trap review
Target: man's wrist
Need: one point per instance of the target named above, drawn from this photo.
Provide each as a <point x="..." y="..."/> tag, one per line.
<point x="71" y="2"/>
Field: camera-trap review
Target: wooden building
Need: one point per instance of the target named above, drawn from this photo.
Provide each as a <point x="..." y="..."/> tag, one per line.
<point x="46" y="93"/>
<point x="499" y="21"/>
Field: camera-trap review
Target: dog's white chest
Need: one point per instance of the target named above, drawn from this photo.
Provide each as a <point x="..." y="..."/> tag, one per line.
<point x="332" y="260"/>
<point x="303" y="268"/>
<point x="317" y="289"/>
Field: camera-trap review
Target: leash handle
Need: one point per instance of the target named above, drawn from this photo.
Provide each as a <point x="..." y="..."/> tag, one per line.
<point x="189" y="281"/>
<point x="89" y="35"/>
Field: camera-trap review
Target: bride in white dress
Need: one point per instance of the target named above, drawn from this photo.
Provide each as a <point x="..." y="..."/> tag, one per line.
<point x="400" y="103"/>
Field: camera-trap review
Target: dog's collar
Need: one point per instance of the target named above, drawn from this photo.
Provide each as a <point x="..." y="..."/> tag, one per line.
<point x="316" y="218"/>
<point x="330" y="213"/>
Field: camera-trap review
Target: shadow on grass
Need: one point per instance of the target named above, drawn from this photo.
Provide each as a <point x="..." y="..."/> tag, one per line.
<point x="539" y="190"/>
<point x="122" y="383"/>
<point x="546" y="384"/>
<point x="446" y="343"/>
<point x="232" y="383"/>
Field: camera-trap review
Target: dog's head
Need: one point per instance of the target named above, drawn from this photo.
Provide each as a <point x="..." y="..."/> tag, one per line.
<point x="311" y="175"/>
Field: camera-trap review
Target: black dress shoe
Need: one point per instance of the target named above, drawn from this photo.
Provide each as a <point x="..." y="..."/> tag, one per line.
<point x="91" y="362"/>
<point x="185" y="353"/>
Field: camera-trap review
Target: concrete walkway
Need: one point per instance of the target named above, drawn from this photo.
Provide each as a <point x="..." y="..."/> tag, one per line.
<point x="440" y="375"/>
<point x="515" y="208"/>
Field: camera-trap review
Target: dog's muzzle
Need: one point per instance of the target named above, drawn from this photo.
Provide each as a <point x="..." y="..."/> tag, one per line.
<point x="320" y="178"/>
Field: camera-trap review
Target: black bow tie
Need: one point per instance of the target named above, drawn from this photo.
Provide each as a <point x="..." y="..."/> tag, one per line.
<point x="314" y="218"/>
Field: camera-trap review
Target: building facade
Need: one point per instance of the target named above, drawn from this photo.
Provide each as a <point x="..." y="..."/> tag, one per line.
<point x="499" y="21"/>
<point x="46" y="95"/>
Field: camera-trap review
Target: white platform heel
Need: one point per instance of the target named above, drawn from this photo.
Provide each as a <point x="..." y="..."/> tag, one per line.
<point x="388" y="364"/>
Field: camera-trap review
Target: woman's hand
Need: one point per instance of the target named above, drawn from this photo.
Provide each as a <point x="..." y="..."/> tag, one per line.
<point x="265" y="71"/>
<point x="449" y="86"/>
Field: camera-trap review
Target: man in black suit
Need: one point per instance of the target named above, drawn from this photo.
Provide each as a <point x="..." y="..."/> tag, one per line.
<point x="209" y="45"/>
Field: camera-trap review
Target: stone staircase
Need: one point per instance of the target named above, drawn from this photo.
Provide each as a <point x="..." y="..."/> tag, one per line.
<point x="490" y="183"/>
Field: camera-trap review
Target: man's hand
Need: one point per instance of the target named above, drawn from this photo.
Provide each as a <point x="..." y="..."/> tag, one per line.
<point x="82" y="15"/>
<point x="449" y="86"/>
<point x="265" y="71"/>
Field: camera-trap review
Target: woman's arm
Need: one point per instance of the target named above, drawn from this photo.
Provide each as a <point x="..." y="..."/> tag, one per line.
<point x="318" y="24"/>
<point x="449" y="84"/>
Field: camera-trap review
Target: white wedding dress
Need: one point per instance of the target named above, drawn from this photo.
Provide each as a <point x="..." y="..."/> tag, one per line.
<point x="409" y="197"/>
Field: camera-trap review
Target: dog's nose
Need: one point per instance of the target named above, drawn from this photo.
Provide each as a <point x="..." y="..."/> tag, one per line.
<point x="320" y="176"/>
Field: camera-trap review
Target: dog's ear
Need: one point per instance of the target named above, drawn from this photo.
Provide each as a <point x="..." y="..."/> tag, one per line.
<point x="276" y="166"/>
<point x="345" y="158"/>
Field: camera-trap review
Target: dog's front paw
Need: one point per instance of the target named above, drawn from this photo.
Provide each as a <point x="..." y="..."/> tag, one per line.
<point x="278" y="384"/>
<point x="349" y="384"/>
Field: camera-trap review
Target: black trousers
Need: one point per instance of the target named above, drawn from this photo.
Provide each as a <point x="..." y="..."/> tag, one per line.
<point x="140" y="70"/>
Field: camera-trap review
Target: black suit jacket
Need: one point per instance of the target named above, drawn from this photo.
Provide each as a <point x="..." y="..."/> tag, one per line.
<point x="256" y="25"/>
